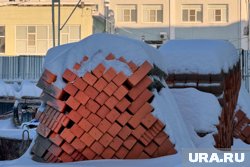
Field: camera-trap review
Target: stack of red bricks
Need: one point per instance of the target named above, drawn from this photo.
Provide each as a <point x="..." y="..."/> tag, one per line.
<point x="103" y="114"/>
<point x="241" y="127"/>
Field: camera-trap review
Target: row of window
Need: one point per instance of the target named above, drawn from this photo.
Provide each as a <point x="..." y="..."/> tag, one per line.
<point x="37" y="39"/>
<point x="190" y="13"/>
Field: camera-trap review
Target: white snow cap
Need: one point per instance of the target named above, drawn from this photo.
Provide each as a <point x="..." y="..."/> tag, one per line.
<point x="97" y="47"/>
<point x="200" y="56"/>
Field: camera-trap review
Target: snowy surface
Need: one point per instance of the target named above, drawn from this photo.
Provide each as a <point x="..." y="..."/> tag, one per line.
<point x="199" y="109"/>
<point x="198" y="56"/>
<point x="97" y="47"/>
<point x="244" y="100"/>
<point x="26" y="88"/>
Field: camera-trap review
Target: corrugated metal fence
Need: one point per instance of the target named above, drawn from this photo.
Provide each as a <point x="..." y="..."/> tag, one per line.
<point x="18" y="68"/>
<point x="245" y="68"/>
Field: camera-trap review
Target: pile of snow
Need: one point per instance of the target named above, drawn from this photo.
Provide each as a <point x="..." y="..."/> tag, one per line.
<point x="26" y="88"/>
<point x="199" y="109"/>
<point x="97" y="47"/>
<point x="198" y="56"/>
<point x="244" y="100"/>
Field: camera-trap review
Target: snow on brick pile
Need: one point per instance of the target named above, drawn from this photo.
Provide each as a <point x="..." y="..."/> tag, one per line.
<point x="198" y="56"/>
<point x="98" y="105"/>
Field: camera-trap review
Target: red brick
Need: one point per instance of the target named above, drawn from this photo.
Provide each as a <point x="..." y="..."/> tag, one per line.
<point x="124" y="118"/>
<point x="132" y="66"/>
<point x="77" y="130"/>
<point x="108" y="153"/>
<point x="69" y="76"/>
<point x="139" y="74"/>
<point x="50" y="89"/>
<point x="120" y="78"/>
<point x="135" y="152"/>
<point x="116" y="143"/>
<point x="151" y="148"/>
<point x="38" y="114"/>
<point x="123" y="105"/>
<point x="74" y="155"/>
<point x="103" y="111"/>
<point x="110" y="57"/>
<point x="77" y="66"/>
<point x="114" y="129"/>
<point x="112" y="115"/>
<point x="92" y="106"/>
<point x="136" y="119"/>
<point x="111" y="102"/>
<point x="65" y="121"/>
<point x="120" y="92"/>
<point x="100" y="84"/>
<point x="72" y="103"/>
<point x="130" y="142"/>
<point x="164" y="148"/>
<point x="89" y="154"/>
<point x="57" y="127"/>
<point x="67" y="135"/>
<point x="74" y="116"/>
<point x="109" y="74"/>
<point x="97" y="148"/>
<point x="95" y="133"/>
<point x="91" y="92"/>
<point x="47" y="156"/>
<point x="55" y="150"/>
<point x="43" y="130"/>
<point x="106" y="139"/>
<point x="138" y="132"/>
<point x="125" y="132"/>
<point x="48" y="76"/>
<point x="83" y="111"/>
<point x="56" y="139"/>
<point x="99" y="70"/>
<point x="56" y="104"/>
<point x="122" y="152"/>
<point x="160" y="138"/>
<point x="101" y="98"/>
<point x="65" y="158"/>
<point x="104" y="125"/>
<point x="94" y="119"/>
<point x="67" y="148"/>
<point x="85" y="58"/>
<point x="246" y="132"/>
<point x="148" y="120"/>
<point x="139" y="88"/>
<point x="89" y="78"/>
<point x="81" y="97"/>
<point x="110" y="88"/>
<point x="122" y="59"/>
<point x="141" y="99"/>
<point x="70" y="89"/>
<point x="143" y="155"/>
<point x="80" y="84"/>
<point x="85" y="125"/>
<point x="87" y="139"/>
<point x="159" y="125"/>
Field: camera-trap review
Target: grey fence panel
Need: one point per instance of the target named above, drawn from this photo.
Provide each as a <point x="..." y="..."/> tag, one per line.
<point x="18" y="68"/>
<point x="245" y="68"/>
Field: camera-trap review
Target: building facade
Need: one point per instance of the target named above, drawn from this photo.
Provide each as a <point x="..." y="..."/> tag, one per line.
<point x="26" y="27"/>
<point x="159" y="20"/>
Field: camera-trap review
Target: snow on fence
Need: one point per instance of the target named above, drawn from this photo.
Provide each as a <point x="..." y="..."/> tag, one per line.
<point x="18" y="68"/>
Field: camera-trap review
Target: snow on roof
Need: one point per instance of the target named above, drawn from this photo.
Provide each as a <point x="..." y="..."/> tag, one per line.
<point x="97" y="47"/>
<point x="199" y="109"/>
<point x="198" y="56"/>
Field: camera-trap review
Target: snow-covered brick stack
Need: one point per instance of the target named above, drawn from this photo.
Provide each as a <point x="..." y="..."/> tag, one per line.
<point x="211" y="66"/>
<point x="242" y="128"/>
<point x="103" y="114"/>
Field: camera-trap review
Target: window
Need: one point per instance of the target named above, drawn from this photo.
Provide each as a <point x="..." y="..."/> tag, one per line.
<point x="37" y="39"/>
<point x="218" y="13"/>
<point x="192" y="13"/>
<point x="2" y="39"/>
<point x="127" y="13"/>
<point x="152" y="13"/>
